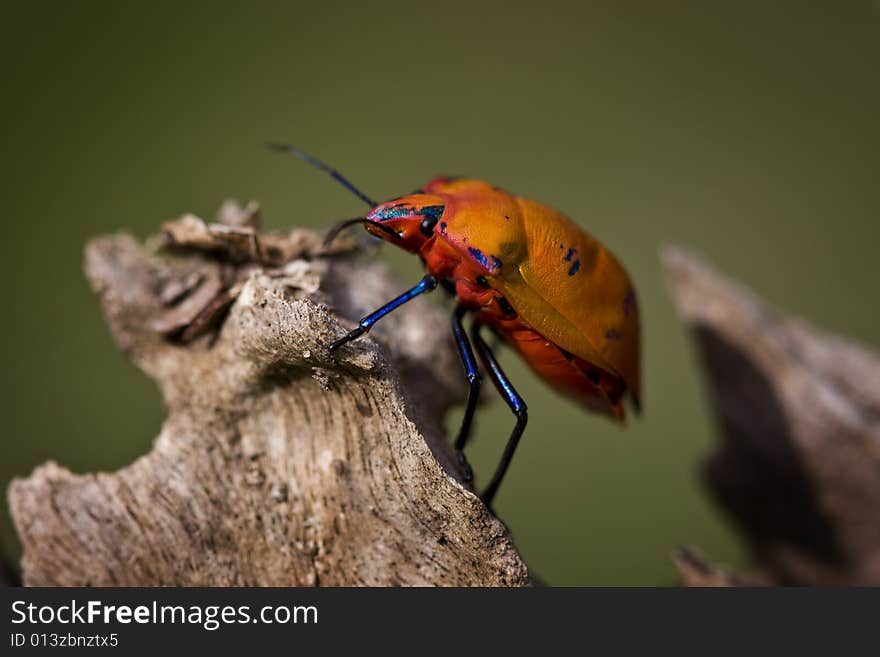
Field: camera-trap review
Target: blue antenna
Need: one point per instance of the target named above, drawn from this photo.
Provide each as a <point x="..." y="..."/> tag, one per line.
<point x="315" y="162"/>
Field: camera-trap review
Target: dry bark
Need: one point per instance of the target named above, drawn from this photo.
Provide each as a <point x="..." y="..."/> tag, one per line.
<point x="798" y="466"/>
<point x="277" y="464"/>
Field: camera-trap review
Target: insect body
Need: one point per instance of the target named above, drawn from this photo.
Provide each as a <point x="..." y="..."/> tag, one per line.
<point x="553" y="293"/>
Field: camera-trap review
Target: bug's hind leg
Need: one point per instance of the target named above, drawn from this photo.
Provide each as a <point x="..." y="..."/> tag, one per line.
<point x="514" y="401"/>
<point x="474" y="380"/>
<point x="427" y="284"/>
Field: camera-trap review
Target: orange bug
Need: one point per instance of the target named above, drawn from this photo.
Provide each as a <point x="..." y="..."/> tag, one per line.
<point x="558" y="297"/>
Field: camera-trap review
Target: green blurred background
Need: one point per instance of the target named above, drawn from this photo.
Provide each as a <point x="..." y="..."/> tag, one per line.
<point x="748" y="132"/>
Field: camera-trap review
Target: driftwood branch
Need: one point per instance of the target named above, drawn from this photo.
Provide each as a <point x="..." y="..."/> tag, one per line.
<point x="798" y="466"/>
<point x="277" y="464"/>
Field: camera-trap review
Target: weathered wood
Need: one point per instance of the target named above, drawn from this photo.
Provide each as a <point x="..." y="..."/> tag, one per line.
<point x="798" y="466"/>
<point x="277" y="464"/>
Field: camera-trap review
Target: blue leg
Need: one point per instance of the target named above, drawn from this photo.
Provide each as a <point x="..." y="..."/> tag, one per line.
<point x="474" y="379"/>
<point x="514" y="401"/>
<point x="427" y="284"/>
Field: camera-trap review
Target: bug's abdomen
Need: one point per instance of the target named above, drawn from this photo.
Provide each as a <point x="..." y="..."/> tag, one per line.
<point x="595" y="388"/>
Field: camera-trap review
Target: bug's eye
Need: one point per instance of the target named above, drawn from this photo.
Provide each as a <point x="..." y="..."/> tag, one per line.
<point x="427" y="226"/>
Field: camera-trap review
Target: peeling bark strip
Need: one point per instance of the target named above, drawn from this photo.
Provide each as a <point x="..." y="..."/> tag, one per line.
<point x="277" y="464"/>
<point x="798" y="466"/>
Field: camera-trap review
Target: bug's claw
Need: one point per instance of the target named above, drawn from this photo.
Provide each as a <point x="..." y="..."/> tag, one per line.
<point x="352" y="335"/>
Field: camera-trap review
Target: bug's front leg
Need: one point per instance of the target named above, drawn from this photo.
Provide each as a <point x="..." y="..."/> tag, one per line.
<point x="474" y="380"/>
<point x="427" y="284"/>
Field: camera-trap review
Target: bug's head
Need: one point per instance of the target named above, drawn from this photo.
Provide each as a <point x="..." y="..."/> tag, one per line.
<point x="408" y="221"/>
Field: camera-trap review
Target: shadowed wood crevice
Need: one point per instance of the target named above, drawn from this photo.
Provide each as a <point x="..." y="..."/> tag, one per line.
<point x="798" y="412"/>
<point x="277" y="463"/>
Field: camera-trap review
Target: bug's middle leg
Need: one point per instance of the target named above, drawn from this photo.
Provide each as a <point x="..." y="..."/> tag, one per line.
<point x="514" y="401"/>
<point x="474" y="380"/>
